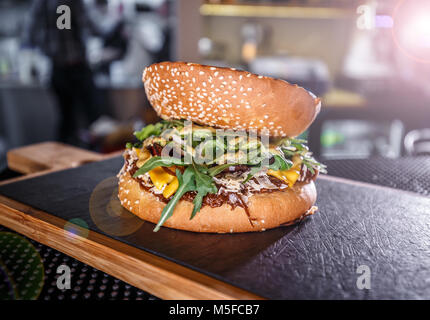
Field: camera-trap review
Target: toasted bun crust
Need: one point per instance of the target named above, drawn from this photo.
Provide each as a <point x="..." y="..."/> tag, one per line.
<point x="229" y="99"/>
<point x="267" y="210"/>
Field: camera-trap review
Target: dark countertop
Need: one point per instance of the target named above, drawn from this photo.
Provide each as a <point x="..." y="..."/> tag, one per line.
<point x="411" y="174"/>
<point x="408" y="173"/>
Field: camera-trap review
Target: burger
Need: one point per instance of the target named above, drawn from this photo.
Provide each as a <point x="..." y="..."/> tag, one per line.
<point x="225" y="157"/>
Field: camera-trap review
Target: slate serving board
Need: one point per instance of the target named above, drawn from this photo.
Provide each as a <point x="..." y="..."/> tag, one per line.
<point x="357" y="224"/>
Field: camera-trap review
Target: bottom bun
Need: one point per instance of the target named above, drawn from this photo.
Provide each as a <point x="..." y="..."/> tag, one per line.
<point x="266" y="210"/>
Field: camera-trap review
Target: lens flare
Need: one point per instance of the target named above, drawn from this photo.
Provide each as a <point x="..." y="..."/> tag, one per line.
<point x="76" y="229"/>
<point x="411" y="30"/>
<point x="107" y="213"/>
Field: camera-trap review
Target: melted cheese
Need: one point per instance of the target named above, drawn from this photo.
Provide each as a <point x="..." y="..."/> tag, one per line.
<point x="171" y="188"/>
<point x="165" y="182"/>
<point x="288" y="176"/>
<point x="143" y="155"/>
<point x="160" y="177"/>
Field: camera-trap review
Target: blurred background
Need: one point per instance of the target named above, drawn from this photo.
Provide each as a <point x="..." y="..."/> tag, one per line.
<point x="368" y="60"/>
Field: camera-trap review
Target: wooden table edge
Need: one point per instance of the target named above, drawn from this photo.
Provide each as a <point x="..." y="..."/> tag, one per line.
<point x="106" y="254"/>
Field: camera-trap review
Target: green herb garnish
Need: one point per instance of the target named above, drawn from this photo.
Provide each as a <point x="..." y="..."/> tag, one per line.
<point x="186" y="183"/>
<point x="149" y="130"/>
<point x="155" y="162"/>
<point x="204" y="185"/>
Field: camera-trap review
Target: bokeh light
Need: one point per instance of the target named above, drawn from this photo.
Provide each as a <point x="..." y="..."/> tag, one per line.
<point x="21" y="268"/>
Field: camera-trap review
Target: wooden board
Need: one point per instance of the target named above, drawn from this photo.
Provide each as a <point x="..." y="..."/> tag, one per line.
<point x="48" y="156"/>
<point x="317" y="259"/>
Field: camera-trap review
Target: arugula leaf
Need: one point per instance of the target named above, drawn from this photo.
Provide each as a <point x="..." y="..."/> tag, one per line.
<point x="252" y="172"/>
<point x="288" y="153"/>
<point x="220" y="168"/>
<point x="195" y="178"/>
<point x="291" y="147"/>
<point x="178" y="124"/>
<point x="131" y="145"/>
<point x="149" y="130"/>
<point x="280" y="163"/>
<point x="158" y="162"/>
<point x="312" y="164"/>
<point x="186" y="183"/>
<point x="204" y="185"/>
<point x="202" y="134"/>
<point x="309" y="166"/>
<point x="300" y="147"/>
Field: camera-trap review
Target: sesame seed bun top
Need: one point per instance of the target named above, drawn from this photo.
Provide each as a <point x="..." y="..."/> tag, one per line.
<point x="228" y="98"/>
